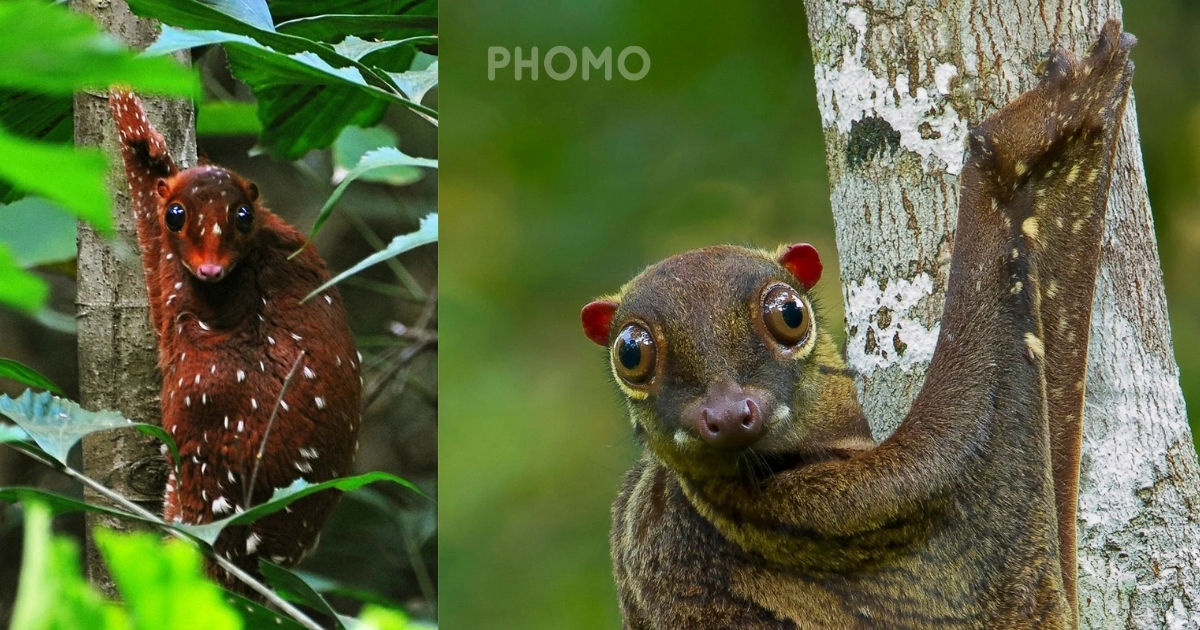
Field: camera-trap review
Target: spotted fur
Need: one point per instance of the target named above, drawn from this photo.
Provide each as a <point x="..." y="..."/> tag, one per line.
<point x="227" y="346"/>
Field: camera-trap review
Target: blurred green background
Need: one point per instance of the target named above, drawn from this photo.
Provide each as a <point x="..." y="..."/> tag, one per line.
<point x="555" y="192"/>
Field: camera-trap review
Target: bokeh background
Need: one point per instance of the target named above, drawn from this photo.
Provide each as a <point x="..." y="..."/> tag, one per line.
<point x="555" y="192"/>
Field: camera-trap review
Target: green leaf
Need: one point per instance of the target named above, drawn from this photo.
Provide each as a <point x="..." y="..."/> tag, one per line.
<point x="53" y="593"/>
<point x="252" y="12"/>
<point x="427" y="233"/>
<point x="74" y="178"/>
<point x="38" y="231"/>
<point x="355" y="142"/>
<point x="52" y="50"/>
<point x="375" y="617"/>
<point x="377" y="161"/>
<point x="284" y="497"/>
<point x="227" y="118"/>
<point x="19" y="288"/>
<point x="155" y="578"/>
<point x="59" y="504"/>
<point x="27" y="375"/>
<point x="13" y="433"/>
<point x="292" y="588"/>
<point x="303" y="100"/>
<point x="355" y="48"/>
<point x="292" y="9"/>
<point x="56" y="424"/>
<point x="330" y="27"/>
<point x="256" y="615"/>
<point x="37" y="115"/>
<point x="416" y="83"/>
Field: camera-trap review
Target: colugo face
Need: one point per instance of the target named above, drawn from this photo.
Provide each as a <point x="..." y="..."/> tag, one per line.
<point x="209" y="217"/>
<point x="711" y="348"/>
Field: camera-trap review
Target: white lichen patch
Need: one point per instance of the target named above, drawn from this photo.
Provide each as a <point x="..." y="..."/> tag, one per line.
<point x="850" y="92"/>
<point x="871" y="343"/>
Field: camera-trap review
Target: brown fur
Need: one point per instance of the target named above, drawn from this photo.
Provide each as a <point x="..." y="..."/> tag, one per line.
<point x="965" y="517"/>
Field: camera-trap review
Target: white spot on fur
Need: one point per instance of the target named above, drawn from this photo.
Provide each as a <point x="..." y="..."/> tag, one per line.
<point x="320" y="402"/>
<point x="309" y="374"/>
<point x="241" y="376"/>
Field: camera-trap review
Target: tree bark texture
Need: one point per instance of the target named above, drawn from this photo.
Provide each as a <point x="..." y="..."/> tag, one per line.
<point x="899" y="85"/>
<point x="117" y="350"/>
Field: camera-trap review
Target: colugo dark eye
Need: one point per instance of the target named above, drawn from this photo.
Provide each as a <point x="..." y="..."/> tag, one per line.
<point x="244" y="219"/>
<point x="786" y="315"/>
<point x="634" y="354"/>
<point x="174" y="217"/>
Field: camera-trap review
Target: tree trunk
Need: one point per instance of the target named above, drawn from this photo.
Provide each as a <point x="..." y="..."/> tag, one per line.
<point x="899" y="85"/>
<point x="117" y="349"/>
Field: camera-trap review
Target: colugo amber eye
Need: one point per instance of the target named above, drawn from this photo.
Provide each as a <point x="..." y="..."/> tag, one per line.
<point x="633" y="354"/>
<point x="786" y="316"/>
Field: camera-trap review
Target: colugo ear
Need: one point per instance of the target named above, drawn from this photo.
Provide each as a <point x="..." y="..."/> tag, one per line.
<point x="803" y="261"/>
<point x="163" y="188"/>
<point x="252" y="190"/>
<point x="597" y="320"/>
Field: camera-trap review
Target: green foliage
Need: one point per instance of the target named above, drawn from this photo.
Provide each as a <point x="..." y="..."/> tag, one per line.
<point x="27" y="375"/>
<point x="284" y="497"/>
<point x="155" y="577"/>
<point x="19" y="288"/>
<point x="426" y="234"/>
<point x="39" y="232"/>
<point x="307" y="91"/>
<point x="52" y="594"/>
<point x="59" y="52"/>
<point x="227" y="118"/>
<point x="57" y="424"/>
<point x="152" y="580"/>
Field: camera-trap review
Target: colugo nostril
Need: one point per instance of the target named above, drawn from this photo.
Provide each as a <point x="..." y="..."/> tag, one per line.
<point x="729" y="420"/>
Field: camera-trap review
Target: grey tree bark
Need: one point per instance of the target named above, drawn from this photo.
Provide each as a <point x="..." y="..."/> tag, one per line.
<point x="117" y="349"/>
<point x="899" y="84"/>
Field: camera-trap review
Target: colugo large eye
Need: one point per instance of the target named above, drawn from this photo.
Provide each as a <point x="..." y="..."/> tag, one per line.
<point x="244" y="218"/>
<point x="634" y="354"/>
<point x="786" y="315"/>
<point x="174" y="217"/>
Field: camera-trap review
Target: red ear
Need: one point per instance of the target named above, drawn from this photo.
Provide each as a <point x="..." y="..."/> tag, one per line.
<point x="597" y="320"/>
<point x="804" y="262"/>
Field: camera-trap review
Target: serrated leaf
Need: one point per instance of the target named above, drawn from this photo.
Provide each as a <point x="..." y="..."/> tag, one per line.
<point x="284" y="497"/>
<point x="21" y="373"/>
<point x="373" y="161"/>
<point x="426" y="234"/>
<point x="53" y="593"/>
<point x="154" y="577"/>
<point x="38" y="231"/>
<point x="19" y="288"/>
<point x="355" y="142"/>
<point x="416" y="83"/>
<point x="292" y="588"/>
<point x="57" y="424"/>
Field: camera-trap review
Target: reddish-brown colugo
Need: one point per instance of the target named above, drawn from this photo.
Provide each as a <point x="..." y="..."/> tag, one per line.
<point x="225" y="302"/>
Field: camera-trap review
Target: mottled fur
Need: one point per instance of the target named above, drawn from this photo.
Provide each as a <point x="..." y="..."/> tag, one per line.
<point x="964" y="517"/>
<point x="226" y="347"/>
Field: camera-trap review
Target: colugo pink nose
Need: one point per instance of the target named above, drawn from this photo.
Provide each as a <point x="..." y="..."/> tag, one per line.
<point x="209" y="272"/>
